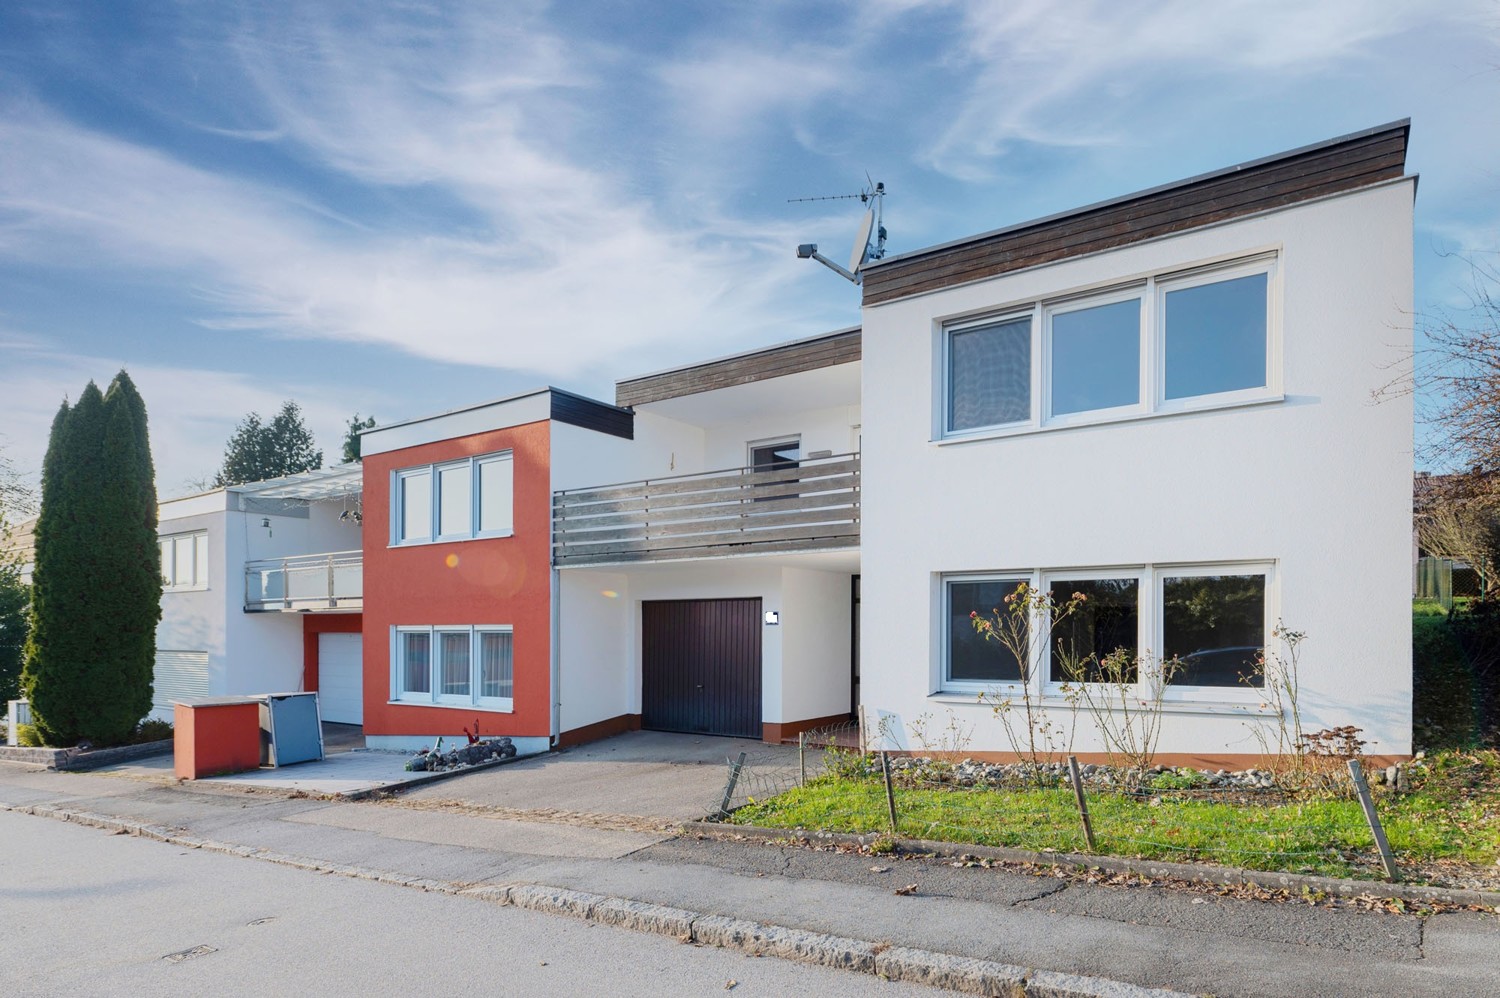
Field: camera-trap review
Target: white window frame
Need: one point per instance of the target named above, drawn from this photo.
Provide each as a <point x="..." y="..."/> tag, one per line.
<point x="1136" y="292"/>
<point x="434" y="472"/>
<point x="170" y="582"/>
<point x="1150" y="629"/>
<point x="1161" y="286"/>
<point x="946" y="684"/>
<point x="945" y="374"/>
<point x="1151" y="290"/>
<point x="1178" y="692"/>
<point x="434" y="697"/>
<point x="1142" y="577"/>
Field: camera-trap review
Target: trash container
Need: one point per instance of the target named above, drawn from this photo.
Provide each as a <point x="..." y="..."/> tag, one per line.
<point x="291" y="728"/>
<point x="212" y="737"/>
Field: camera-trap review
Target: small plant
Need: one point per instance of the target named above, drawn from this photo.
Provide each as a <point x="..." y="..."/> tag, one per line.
<point x="1277" y="676"/>
<point x="883" y="846"/>
<point x="1023" y="628"/>
<point x="1179" y="779"/>
<point x="1125" y="693"/>
<point x="947" y="746"/>
<point x="29" y="737"/>
<point x="152" y="730"/>
<point x="1336" y="743"/>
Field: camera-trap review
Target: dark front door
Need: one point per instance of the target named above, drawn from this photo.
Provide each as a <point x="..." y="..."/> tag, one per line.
<point x="700" y="666"/>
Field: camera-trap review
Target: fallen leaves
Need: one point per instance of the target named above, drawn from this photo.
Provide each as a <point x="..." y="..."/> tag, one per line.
<point x="907" y="890"/>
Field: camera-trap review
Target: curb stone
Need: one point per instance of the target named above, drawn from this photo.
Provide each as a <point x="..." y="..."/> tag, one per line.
<point x="1206" y="873"/>
<point x="896" y="963"/>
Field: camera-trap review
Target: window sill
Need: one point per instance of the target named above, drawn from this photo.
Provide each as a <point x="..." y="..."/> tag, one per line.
<point x="1233" y="708"/>
<point x="450" y="540"/>
<point x="1028" y="429"/>
<point x="499" y="707"/>
<point x="184" y="589"/>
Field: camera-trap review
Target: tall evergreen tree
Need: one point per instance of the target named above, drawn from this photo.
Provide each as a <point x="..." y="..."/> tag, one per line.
<point x="351" y="437"/>
<point x="259" y="450"/>
<point x="96" y="588"/>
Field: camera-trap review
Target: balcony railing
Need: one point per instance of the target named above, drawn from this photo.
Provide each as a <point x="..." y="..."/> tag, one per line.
<point x="810" y="507"/>
<point x="306" y="582"/>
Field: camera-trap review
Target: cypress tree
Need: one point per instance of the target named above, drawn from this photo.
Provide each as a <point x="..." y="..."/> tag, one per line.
<point x="96" y="595"/>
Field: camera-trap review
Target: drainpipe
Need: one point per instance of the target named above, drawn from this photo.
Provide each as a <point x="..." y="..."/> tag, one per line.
<point x="556" y="692"/>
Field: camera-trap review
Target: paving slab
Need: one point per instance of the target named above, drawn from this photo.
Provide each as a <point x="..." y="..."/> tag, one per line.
<point x="645" y="774"/>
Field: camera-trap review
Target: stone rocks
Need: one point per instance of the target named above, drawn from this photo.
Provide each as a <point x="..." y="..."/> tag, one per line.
<point x="429" y="761"/>
<point x="972" y="773"/>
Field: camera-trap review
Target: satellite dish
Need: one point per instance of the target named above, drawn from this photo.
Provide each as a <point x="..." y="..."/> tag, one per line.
<point x="861" y="248"/>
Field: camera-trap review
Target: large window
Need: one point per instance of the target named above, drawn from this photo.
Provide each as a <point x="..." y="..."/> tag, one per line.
<point x="971" y="657"/>
<point x="1095" y="356"/>
<point x="457" y="500"/>
<point x="1215" y="627"/>
<point x="1161" y="344"/>
<point x="184" y="560"/>
<point x="1210" y="621"/>
<point x="454" y="666"/>
<point x="1104" y="621"/>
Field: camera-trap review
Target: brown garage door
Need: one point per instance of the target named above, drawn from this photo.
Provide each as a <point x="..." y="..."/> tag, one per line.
<point x="700" y="666"/>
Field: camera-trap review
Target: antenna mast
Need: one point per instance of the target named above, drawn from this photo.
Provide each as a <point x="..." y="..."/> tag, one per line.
<point x="873" y="223"/>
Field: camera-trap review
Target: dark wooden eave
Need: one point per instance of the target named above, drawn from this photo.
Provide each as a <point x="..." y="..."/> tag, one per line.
<point x="773" y="362"/>
<point x="592" y="414"/>
<point x="1330" y="167"/>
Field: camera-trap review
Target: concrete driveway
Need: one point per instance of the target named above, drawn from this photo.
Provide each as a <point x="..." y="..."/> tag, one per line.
<point x="643" y="774"/>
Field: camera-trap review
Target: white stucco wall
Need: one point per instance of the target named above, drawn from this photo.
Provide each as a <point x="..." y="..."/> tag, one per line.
<point x="832" y="429"/>
<point x="194" y="620"/>
<point x="1318" y="484"/>
<point x="598" y="678"/>
<point x="815" y="643"/>
<point x="661" y="448"/>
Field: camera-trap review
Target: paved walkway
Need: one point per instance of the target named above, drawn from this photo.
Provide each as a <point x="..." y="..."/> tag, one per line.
<point x="483" y="828"/>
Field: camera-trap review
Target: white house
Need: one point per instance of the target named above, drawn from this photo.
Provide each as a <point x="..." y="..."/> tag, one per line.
<point x="253" y="572"/>
<point x="1163" y="402"/>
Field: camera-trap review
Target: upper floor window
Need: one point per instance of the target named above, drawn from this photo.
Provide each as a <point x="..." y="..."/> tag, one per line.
<point x="184" y="560"/>
<point x="456" y="500"/>
<point x="1162" y="344"/>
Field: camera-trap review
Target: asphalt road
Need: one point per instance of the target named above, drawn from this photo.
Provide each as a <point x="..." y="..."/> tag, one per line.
<point x="89" y="913"/>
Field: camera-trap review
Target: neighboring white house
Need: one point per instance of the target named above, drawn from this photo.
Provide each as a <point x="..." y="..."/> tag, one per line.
<point x="243" y="568"/>
<point x="1163" y="402"/>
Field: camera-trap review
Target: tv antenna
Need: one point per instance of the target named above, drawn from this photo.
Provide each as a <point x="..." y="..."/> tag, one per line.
<point x="862" y="251"/>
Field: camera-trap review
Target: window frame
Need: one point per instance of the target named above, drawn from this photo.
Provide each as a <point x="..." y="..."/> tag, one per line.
<point x="1150" y="289"/>
<point x="1267" y="264"/>
<point x="1150" y="628"/>
<point x="1082" y="303"/>
<point x="1143" y="600"/>
<point x="434" y="472"/>
<point x="170" y="583"/>
<point x="1180" y="692"/>
<point x="945" y="682"/>
<point x="434" y="696"/>
<point x="945" y="398"/>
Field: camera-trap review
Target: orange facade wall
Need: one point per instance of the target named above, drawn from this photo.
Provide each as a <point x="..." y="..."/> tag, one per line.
<point x="503" y="580"/>
<point x="314" y="624"/>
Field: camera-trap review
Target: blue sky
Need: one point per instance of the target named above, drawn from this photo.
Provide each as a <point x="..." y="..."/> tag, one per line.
<point x="399" y="208"/>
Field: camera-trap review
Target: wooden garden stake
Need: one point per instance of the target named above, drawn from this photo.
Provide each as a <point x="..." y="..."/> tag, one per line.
<point x="890" y="794"/>
<point x="1083" y="805"/>
<point x="734" y="777"/>
<point x="1363" y="789"/>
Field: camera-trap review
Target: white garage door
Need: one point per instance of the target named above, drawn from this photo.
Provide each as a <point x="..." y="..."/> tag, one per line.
<point x="340" y="686"/>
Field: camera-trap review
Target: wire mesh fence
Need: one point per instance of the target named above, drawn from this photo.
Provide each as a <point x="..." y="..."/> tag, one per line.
<point x="835" y="784"/>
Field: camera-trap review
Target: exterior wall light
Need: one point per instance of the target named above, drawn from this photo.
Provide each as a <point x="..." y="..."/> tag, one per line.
<point x="772" y="617"/>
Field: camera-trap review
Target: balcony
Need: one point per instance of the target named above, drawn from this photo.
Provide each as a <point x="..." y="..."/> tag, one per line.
<point x="813" y="506"/>
<point x="310" y="582"/>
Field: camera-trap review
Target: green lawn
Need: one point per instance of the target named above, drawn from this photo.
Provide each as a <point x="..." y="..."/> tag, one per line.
<point x="1452" y="814"/>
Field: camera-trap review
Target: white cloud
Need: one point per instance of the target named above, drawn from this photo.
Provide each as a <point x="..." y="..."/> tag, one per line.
<point x="1065" y="75"/>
